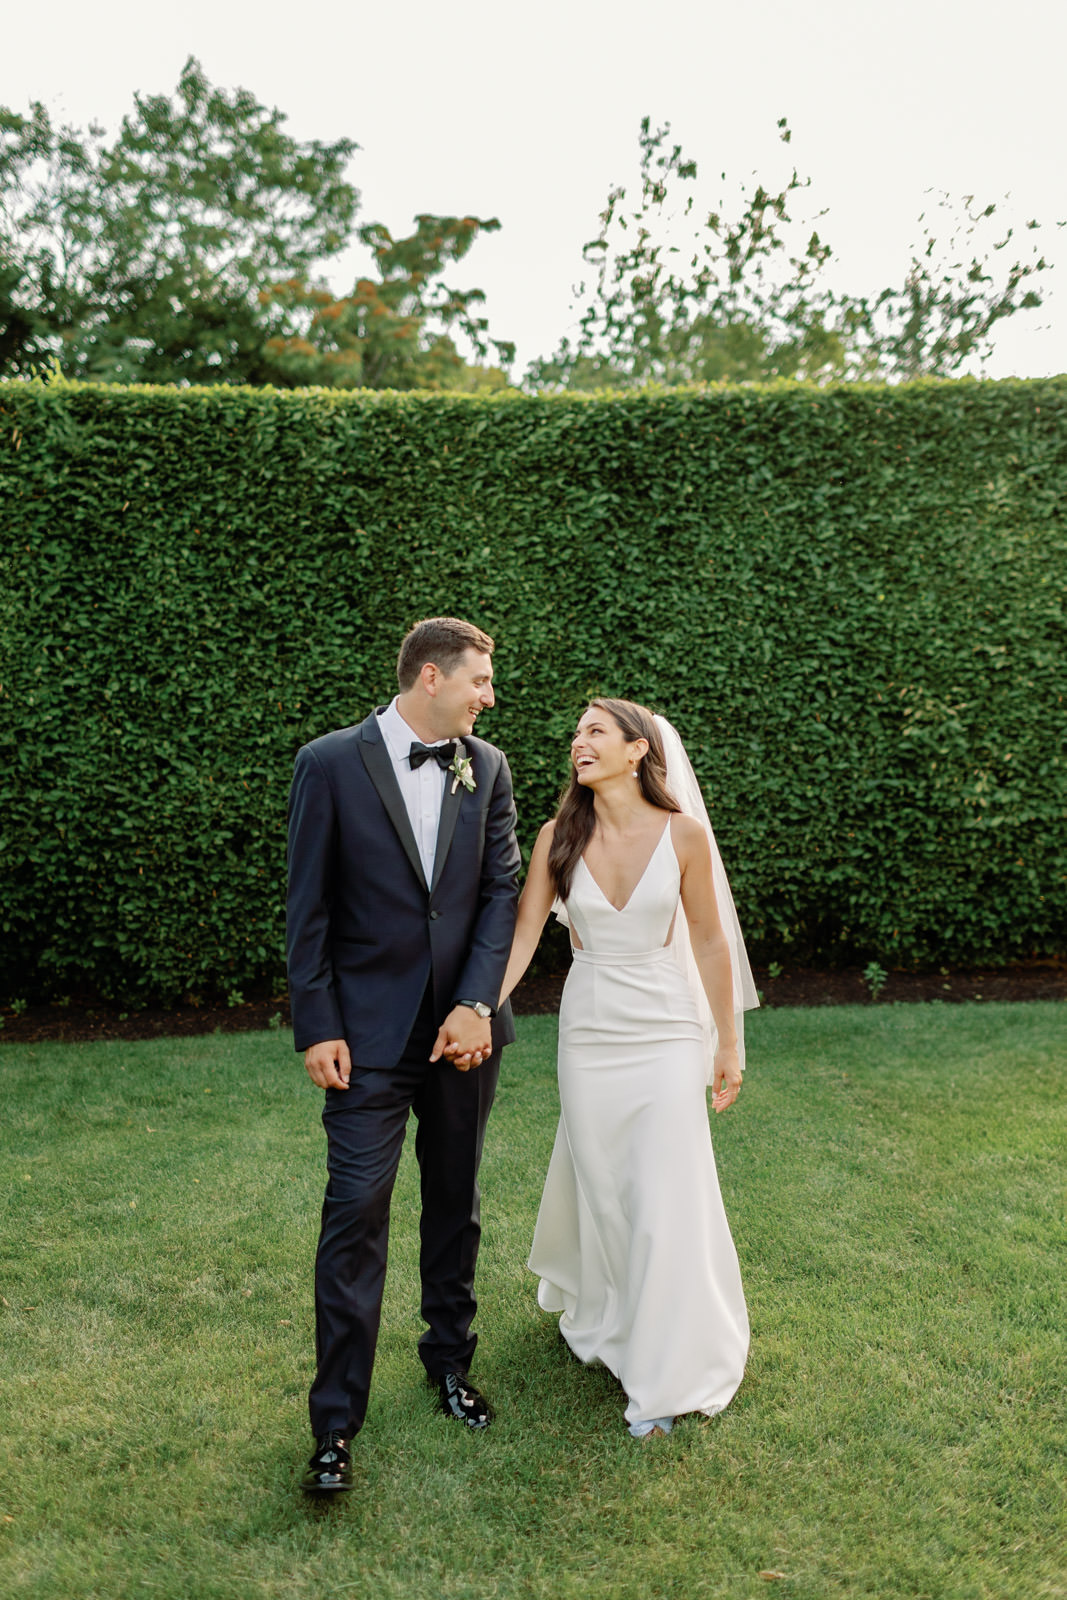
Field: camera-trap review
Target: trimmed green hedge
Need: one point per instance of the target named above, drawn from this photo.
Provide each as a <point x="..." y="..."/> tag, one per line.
<point x="849" y="600"/>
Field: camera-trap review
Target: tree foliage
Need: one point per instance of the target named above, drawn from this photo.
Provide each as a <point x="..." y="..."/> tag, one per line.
<point x="190" y="248"/>
<point x="141" y="258"/>
<point x="393" y="332"/>
<point x="677" y="296"/>
<point x="187" y="249"/>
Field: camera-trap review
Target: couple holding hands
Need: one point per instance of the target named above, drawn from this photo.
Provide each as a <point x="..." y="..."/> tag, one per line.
<point x="405" y="937"/>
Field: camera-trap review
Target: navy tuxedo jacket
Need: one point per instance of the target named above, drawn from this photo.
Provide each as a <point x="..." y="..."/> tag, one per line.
<point x="365" y="931"/>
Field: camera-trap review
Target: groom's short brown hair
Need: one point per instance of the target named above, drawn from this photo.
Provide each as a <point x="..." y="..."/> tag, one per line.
<point x="442" y="640"/>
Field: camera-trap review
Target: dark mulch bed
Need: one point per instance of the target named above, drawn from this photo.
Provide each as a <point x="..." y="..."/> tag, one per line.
<point x="846" y="986"/>
<point x="794" y="986"/>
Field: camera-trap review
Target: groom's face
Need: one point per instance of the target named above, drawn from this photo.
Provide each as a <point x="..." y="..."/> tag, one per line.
<point x="463" y="695"/>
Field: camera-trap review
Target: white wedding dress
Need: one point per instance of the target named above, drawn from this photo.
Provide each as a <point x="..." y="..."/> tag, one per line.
<point x="632" y="1244"/>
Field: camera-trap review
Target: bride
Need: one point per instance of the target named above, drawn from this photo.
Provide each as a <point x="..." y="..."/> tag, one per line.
<point x="632" y="1245"/>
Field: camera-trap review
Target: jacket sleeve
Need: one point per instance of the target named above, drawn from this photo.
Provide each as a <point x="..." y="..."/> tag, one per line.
<point x="483" y="971"/>
<point x="311" y="861"/>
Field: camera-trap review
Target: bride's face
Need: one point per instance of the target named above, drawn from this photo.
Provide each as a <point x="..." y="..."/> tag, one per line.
<point x="600" y="750"/>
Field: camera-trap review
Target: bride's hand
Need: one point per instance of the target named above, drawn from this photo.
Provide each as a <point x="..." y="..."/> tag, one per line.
<point x="725" y="1078"/>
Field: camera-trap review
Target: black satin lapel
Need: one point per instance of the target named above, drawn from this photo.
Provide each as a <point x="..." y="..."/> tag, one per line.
<point x="379" y="765"/>
<point x="450" y="805"/>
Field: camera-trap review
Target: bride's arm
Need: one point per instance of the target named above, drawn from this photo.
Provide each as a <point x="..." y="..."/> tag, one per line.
<point x="711" y="952"/>
<point x="534" y="906"/>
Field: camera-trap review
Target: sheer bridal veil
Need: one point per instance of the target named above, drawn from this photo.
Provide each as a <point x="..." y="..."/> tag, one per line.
<point x="683" y="785"/>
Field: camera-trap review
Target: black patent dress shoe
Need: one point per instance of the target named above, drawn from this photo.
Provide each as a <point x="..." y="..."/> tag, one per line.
<point x="330" y="1469"/>
<point x="460" y="1399"/>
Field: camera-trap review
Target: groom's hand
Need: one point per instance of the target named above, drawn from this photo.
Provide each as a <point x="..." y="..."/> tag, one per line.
<point x="464" y="1038"/>
<point x="329" y="1064"/>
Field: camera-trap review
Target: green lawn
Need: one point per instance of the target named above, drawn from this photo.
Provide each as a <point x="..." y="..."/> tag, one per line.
<point x="894" y="1178"/>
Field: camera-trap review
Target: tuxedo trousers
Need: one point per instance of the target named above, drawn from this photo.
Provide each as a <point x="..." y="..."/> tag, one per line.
<point x="365" y="1126"/>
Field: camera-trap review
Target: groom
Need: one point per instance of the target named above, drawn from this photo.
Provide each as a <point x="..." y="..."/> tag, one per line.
<point x="401" y="906"/>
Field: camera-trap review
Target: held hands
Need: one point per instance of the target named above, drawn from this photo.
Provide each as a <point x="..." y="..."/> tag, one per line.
<point x="725" y="1078"/>
<point x="464" y="1038"/>
<point x="329" y="1064"/>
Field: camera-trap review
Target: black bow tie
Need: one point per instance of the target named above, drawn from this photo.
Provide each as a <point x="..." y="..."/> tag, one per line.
<point x="443" y="754"/>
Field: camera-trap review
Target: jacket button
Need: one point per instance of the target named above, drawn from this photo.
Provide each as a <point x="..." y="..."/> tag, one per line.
<point x="434" y="915"/>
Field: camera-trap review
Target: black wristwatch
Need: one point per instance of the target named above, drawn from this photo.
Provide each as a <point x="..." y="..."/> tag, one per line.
<point x="479" y="1007"/>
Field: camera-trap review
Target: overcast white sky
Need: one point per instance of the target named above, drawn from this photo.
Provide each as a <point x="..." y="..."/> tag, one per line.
<point x="530" y="114"/>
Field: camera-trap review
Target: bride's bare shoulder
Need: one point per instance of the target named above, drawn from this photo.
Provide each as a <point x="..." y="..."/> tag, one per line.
<point x="687" y="833"/>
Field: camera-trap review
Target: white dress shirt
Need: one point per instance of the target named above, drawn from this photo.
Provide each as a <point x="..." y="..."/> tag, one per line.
<point x="423" y="788"/>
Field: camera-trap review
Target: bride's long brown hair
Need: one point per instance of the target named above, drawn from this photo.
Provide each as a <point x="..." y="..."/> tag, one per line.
<point x="575" y="819"/>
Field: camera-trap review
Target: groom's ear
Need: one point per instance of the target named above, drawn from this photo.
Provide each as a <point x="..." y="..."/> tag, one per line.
<point x="430" y="676"/>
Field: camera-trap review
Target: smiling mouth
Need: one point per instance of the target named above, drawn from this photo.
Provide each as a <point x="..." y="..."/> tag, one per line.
<point x="581" y="762"/>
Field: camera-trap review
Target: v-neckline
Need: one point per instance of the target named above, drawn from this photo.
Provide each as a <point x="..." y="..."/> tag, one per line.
<point x="618" y="910"/>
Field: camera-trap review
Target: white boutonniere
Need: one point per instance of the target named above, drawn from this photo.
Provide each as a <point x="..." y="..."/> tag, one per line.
<point x="462" y="774"/>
